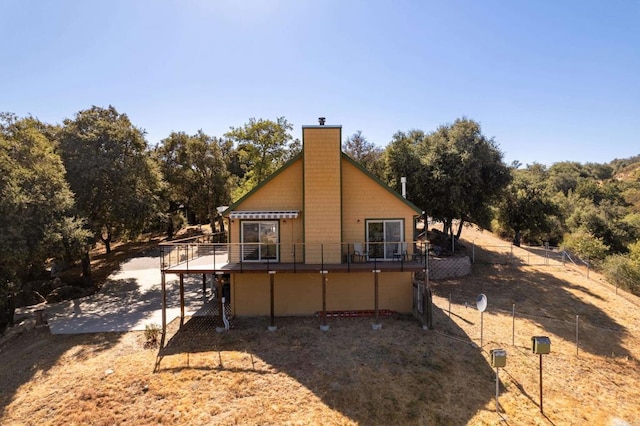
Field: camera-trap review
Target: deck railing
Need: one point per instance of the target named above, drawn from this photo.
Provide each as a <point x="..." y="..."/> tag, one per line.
<point x="195" y="251"/>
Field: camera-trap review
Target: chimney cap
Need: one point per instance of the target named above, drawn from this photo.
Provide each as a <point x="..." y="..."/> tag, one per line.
<point x="321" y="120"/>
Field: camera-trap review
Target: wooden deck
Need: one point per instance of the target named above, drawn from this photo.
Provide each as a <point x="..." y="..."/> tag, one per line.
<point x="210" y="264"/>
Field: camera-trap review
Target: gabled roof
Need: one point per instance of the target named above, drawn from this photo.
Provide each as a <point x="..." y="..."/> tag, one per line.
<point x="261" y="184"/>
<point x="343" y="156"/>
<point x="381" y="183"/>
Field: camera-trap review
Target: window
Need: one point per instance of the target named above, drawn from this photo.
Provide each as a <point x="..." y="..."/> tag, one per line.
<point x="383" y="237"/>
<point x="259" y="241"/>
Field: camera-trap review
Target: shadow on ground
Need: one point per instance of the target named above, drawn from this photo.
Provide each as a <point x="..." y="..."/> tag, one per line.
<point x="39" y="351"/>
<point x="545" y="300"/>
<point x="104" y="265"/>
<point x="400" y="374"/>
<point x="123" y="305"/>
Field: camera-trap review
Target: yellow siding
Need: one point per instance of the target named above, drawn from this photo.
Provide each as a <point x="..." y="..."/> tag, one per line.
<point x="322" y="201"/>
<point x="335" y="199"/>
<point x="283" y="192"/>
<point x="301" y="294"/>
<point x="362" y="199"/>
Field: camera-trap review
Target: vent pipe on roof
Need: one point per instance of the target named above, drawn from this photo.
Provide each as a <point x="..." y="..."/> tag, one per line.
<point x="403" y="181"/>
<point x="321" y="120"/>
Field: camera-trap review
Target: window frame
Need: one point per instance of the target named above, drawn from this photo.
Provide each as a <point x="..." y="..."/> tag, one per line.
<point x="248" y="248"/>
<point x="388" y="246"/>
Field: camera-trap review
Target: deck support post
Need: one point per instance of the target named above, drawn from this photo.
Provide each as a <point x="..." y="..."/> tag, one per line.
<point x="323" y="315"/>
<point x="220" y="321"/>
<point x="376" y="325"/>
<point x="204" y="285"/>
<point x="164" y="309"/>
<point x="181" y="300"/>
<point x="272" y="322"/>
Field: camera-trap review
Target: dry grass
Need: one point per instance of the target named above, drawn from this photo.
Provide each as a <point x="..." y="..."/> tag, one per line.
<point x="351" y="374"/>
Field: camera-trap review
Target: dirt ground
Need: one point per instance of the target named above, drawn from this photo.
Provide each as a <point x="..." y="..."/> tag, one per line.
<point x="352" y="374"/>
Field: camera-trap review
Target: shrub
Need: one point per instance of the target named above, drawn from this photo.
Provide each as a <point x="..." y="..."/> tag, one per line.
<point x="587" y="246"/>
<point x="623" y="271"/>
<point x="152" y="335"/>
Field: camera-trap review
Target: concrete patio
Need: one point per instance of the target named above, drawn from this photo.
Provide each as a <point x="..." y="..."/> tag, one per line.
<point x="130" y="300"/>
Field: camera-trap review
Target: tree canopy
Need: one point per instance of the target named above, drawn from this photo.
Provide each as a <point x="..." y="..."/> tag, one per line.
<point x="263" y="147"/>
<point x="110" y="171"/>
<point x="527" y="207"/>
<point x="94" y="176"/>
<point x="35" y="206"/>
<point x="465" y="173"/>
<point x="366" y="153"/>
<point x="195" y="170"/>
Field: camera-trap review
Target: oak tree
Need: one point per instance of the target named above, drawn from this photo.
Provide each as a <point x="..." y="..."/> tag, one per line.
<point x="111" y="173"/>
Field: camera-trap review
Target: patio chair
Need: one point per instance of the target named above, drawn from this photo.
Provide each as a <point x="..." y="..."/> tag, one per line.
<point x="359" y="253"/>
<point x="401" y="252"/>
<point x="418" y="253"/>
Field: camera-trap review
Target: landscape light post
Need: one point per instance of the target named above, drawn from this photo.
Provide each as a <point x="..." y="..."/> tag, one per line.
<point x="540" y="345"/>
<point x="498" y="359"/>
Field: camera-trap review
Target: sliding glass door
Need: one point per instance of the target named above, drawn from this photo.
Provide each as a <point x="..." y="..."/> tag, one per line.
<point x="383" y="237"/>
<point x="259" y="241"/>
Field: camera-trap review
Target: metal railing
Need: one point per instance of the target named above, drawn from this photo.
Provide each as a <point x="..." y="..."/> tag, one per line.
<point x="195" y="252"/>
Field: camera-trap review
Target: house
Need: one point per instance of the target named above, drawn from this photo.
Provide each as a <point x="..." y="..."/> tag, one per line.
<point x="319" y="235"/>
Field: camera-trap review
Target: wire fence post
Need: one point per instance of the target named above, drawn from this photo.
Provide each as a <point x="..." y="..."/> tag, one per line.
<point x="481" y="328"/>
<point x="513" y="327"/>
<point x="546" y="252"/>
<point x="473" y="252"/>
<point x="577" y="335"/>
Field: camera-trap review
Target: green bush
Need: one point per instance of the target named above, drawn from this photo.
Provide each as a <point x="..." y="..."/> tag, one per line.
<point x="585" y="245"/>
<point x="623" y="271"/>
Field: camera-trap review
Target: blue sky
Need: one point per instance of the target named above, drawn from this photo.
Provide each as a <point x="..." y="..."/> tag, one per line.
<point x="549" y="80"/>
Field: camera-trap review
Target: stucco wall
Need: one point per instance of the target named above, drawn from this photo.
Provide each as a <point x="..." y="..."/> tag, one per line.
<point x="301" y="293"/>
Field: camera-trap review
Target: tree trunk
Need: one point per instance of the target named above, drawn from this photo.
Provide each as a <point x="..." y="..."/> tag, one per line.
<point x="170" y="228"/>
<point x="212" y="218"/>
<point x="446" y="224"/>
<point x="452" y="238"/>
<point x="459" y="229"/>
<point x="106" y="240"/>
<point x="7" y="311"/>
<point x="516" y="238"/>
<point x="86" y="269"/>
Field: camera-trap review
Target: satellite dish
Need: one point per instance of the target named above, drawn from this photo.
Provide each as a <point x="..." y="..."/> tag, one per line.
<point x="481" y="302"/>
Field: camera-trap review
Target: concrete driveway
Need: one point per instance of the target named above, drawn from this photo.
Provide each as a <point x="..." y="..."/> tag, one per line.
<point x="129" y="300"/>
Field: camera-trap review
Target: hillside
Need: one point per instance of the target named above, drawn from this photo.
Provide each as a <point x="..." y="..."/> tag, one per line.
<point x="352" y="374"/>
